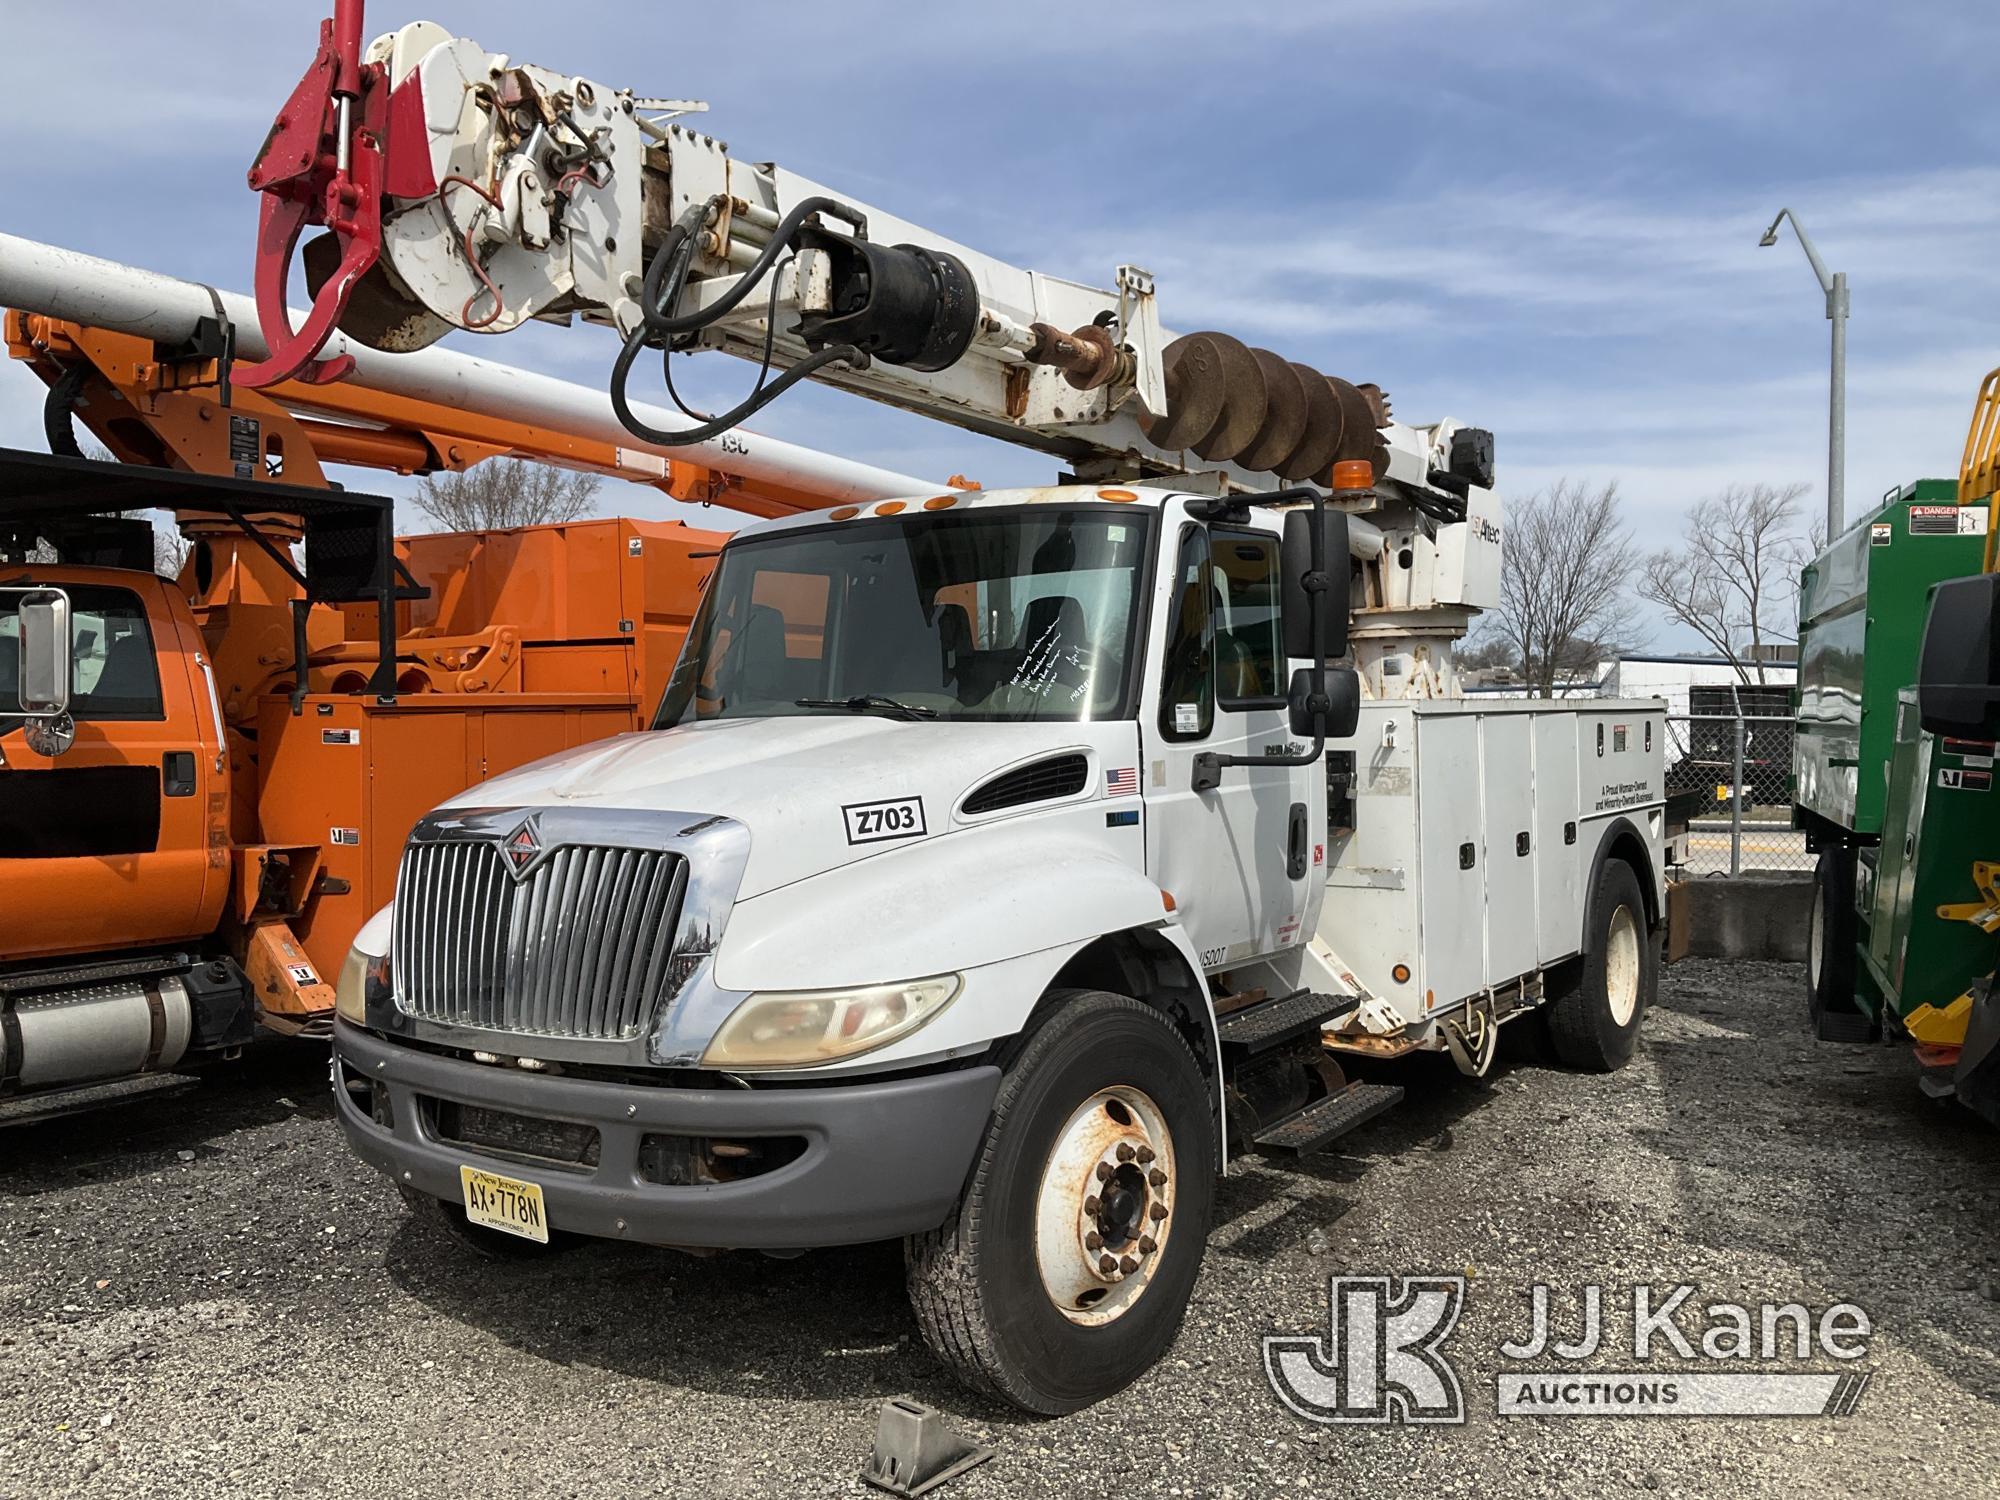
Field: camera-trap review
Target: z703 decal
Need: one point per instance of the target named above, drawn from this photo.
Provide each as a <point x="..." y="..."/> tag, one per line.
<point x="873" y="822"/>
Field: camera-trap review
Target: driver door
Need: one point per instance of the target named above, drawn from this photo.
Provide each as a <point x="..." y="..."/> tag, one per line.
<point x="1237" y="859"/>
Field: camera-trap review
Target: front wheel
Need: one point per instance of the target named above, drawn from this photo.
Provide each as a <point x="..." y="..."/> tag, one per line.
<point x="1598" y="1000"/>
<point x="1065" y="1270"/>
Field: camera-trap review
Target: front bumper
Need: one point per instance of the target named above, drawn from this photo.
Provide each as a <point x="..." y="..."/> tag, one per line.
<point x="880" y="1159"/>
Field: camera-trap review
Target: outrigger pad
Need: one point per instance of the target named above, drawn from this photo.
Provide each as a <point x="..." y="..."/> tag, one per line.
<point x="915" y="1452"/>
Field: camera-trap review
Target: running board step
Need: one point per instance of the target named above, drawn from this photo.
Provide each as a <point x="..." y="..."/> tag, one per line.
<point x="1317" y="1126"/>
<point x="1268" y="1023"/>
<point x="27" y="1109"/>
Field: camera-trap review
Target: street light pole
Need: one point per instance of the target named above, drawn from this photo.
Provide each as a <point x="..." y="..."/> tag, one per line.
<point x="1835" y="288"/>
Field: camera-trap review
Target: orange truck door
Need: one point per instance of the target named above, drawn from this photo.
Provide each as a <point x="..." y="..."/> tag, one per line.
<point x="122" y="840"/>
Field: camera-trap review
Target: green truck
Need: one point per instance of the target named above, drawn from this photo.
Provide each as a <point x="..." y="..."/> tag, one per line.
<point x="1898" y="816"/>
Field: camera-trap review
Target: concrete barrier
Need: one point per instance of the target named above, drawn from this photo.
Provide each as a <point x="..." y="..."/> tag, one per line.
<point x="1740" y="916"/>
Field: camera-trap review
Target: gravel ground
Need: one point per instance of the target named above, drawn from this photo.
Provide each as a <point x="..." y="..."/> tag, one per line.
<point x="207" y="1296"/>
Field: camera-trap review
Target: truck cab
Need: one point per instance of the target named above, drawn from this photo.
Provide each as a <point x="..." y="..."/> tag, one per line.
<point x="125" y="815"/>
<point x="972" y="886"/>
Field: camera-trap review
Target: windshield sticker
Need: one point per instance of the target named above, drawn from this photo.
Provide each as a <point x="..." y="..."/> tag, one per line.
<point x="875" y="822"/>
<point x="1187" y="718"/>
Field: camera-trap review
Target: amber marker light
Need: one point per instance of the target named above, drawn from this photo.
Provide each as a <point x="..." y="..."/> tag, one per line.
<point x="1117" y="497"/>
<point x="1401" y="973"/>
<point x="1353" y="474"/>
<point x="890" y="507"/>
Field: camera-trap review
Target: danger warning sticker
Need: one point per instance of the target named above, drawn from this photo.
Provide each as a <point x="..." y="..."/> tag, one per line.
<point x="1947" y="520"/>
<point x="1957" y="778"/>
<point x="1880" y="534"/>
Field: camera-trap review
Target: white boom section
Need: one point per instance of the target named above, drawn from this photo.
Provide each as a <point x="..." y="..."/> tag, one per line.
<point x="547" y="195"/>
<point x="59" y="283"/>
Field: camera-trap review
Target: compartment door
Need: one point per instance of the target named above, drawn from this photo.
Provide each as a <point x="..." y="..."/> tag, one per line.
<point x="1452" y="869"/>
<point x="1507" y="782"/>
<point x="1558" y="882"/>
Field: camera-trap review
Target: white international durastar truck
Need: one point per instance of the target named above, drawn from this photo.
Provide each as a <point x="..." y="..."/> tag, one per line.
<point x="999" y="865"/>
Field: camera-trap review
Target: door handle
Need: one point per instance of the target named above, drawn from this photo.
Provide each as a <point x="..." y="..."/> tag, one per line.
<point x="177" y="774"/>
<point x="1295" y="848"/>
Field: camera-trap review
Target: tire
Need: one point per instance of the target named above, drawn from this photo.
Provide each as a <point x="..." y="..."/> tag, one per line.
<point x="1599" y="1000"/>
<point x="487" y="1244"/>
<point x="1831" y="937"/>
<point x="1003" y="1289"/>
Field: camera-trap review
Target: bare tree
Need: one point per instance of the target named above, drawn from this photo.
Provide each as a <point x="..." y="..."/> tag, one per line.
<point x="505" y="492"/>
<point x="170" y="548"/>
<point x="1734" y="579"/>
<point x="1566" y="595"/>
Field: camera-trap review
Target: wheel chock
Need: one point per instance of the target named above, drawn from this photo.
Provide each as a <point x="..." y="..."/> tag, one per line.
<point x="915" y="1452"/>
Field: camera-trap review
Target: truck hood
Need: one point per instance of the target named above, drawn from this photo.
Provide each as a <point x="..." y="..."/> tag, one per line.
<point x="816" y="791"/>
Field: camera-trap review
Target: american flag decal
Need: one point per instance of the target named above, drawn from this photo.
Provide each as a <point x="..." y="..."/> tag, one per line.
<point x="1123" y="783"/>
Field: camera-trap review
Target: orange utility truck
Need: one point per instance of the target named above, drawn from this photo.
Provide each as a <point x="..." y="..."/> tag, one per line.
<point x="187" y="850"/>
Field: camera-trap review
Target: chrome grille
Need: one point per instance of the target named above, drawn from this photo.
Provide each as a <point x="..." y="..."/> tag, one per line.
<point x="580" y="946"/>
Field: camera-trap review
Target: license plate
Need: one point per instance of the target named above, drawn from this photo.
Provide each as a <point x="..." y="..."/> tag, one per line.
<point x="504" y="1203"/>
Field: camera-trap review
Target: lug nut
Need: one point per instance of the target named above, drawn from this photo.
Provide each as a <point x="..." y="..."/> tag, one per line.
<point x="1093" y="1241"/>
<point x="1125" y="1151"/>
<point x="1145" y="1155"/>
<point x="1106" y="1264"/>
<point x="1090" y="1205"/>
<point x="1104" y="1171"/>
<point x="1147" y="1244"/>
<point x="1159" y="1212"/>
<point x="1157" y="1178"/>
<point x="1128" y="1265"/>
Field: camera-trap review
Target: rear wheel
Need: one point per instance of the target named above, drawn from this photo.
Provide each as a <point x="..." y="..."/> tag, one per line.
<point x="1066" y="1268"/>
<point x="1831" y="938"/>
<point x="1598" y="1000"/>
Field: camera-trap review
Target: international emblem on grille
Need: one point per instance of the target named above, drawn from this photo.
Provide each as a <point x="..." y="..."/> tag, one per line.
<point x="522" y="845"/>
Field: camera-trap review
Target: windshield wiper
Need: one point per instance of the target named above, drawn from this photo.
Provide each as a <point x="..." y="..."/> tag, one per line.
<point x="870" y="703"/>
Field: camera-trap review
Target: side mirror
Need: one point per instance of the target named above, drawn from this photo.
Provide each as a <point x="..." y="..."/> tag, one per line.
<point x="1295" y="563"/>
<point x="44" y="677"/>
<point x="1343" y="713"/>
<point x="1958" y="690"/>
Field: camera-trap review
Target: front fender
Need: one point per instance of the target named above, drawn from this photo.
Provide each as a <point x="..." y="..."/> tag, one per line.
<point x="1005" y="911"/>
<point x="951" y="904"/>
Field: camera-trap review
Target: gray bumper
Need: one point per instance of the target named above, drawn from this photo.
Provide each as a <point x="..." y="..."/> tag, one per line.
<point x="881" y="1159"/>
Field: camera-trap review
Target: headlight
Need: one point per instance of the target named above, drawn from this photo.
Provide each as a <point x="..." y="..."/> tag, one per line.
<point x="793" y="1029"/>
<point x="363" y="977"/>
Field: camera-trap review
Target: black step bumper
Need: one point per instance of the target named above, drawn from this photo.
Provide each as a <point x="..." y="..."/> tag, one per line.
<point x="880" y="1159"/>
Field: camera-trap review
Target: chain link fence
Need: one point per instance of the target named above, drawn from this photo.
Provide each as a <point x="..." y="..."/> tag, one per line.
<point x="1738" y="769"/>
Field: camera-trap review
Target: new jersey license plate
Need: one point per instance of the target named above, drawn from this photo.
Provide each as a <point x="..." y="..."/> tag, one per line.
<point x="504" y="1203"/>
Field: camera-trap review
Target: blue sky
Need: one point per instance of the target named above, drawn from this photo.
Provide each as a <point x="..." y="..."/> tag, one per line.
<point x="1537" y="217"/>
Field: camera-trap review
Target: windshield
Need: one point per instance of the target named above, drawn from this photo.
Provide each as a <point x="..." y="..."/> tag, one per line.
<point x="989" y="614"/>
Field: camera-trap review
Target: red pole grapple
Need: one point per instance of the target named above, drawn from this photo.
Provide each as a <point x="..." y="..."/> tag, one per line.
<point x="321" y="165"/>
